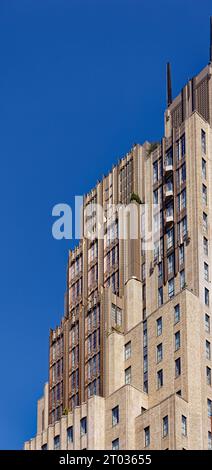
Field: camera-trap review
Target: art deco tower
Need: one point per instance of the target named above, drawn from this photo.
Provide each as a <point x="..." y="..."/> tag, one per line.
<point x="130" y="364"/>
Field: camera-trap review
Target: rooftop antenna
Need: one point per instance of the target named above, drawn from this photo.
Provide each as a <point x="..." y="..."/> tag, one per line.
<point x="210" y="38"/>
<point x="169" y="83"/>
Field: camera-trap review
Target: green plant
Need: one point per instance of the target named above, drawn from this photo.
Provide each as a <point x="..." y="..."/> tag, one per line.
<point x="152" y="147"/>
<point x="136" y="198"/>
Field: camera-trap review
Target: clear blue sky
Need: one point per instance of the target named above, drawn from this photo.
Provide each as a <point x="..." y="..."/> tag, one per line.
<point x="80" y="80"/>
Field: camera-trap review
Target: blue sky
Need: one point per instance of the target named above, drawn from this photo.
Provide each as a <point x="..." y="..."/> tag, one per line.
<point x="80" y="80"/>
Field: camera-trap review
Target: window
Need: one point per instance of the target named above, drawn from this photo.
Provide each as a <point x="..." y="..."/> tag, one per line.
<point x="206" y="272"/>
<point x="145" y="338"/>
<point x="127" y="350"/>
<point x="208" y="350"/>
<point x="204" y="195"/>
<point x="203" y="168"/>
<point x="116" y="315"/>
<point x="160" y="378"/>
<point x="57" y="443"/>
<point x="203" y="141"/>
<point x="182" y="279"/>
<point x="177" y="340"/>
<point x="147" y="436"/>
<point x="165" y="426"/>
<point x="208" y="375"/>
<point x="159" y="326"/>
<point x="183" y="173"/>
<point x="145" y="363"/>
<point x="160" y="270"/>
<point x="170" y="238"/>
<point x="160" y="296"/>
<point x="155" y="196"/>
<point x="209" y="403"/>
<point x="205" y="221"/>
<point x="183" y="145"/>
<point x="44" y="447"/>
<point x="183" y="200"/>
<point x="207" y="323"/>
<point x="146" y="386"/>
<point x="177" y="367"/>
<point x="184" y="425"/>
<point x="115" y="416"/>
<point x="176" y="313"/>
<point x="115" y="444"/>
<point x="159" y="352"/>
<point x="128" y="375"/>
<point x="170" y="262"/>
<point x="206" y="296"/>
<point x="209" y="440"/>
<point x="181" y="255"/>
<point x="70" y="436"/>
<point x="205" y="246"/>
<point x="155" y="172"/>
<point x="83" y="426"/>
<point x="171" y="288"/>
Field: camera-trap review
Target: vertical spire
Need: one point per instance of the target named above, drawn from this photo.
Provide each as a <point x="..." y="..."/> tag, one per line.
<point x="168" y="84"/>
<point x="210" y="39"/>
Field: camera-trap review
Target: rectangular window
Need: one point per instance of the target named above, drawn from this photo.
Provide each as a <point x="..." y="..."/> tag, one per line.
<point x="147" y="436"/>
<point x="204" y="195"/>
<point x="159" y="352"/>
<point x="208" y="350"/>
<point x="209" y="402"/>
<point x="183" y="200"/>
<point x="155" y="172"/>
<point x="205" y="221"/>
<point x="171" y="288"/>
<point x="209" y="440"/>
<point x="170" y="238"/>
<point x="115" y="415"/>
<point x="208" y="375"/>
<point x="145" y="363"/>
<point x="203" y="141"/>
<point x="170" y="262"/>
<point x="205" y="246"/>
<point x="57" y="443"/>
<point x="176" y="314"/>
<point x="203" y="169"/>
<point x="177" y="340"/>
<point x="160" y="296"/>
<point x="127" y="350"/>
<point x="83" y="426"/>
<point x="183" y="145"/>
<point x="116" y="313"/>
<point x="159" y="326"/>
<point x="207" y="323"/>
<point x="165" y="426"/>
<point x="70" y="436"/>
<point x="182" y="279"/>
<point x="206" y="296"/>
<point x="206" y="272"/>
<point x="128" y="375"/>
<point x="160" y="270"/>
<point x="177" y="367"/>
<point x="115" y="444"/>
<point x="181" y="255"/>
<point x="160" y="378"/>
<point x="184" y="425"/>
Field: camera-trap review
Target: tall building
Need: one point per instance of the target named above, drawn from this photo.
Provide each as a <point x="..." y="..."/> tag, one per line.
<point x="130" y="363"/>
